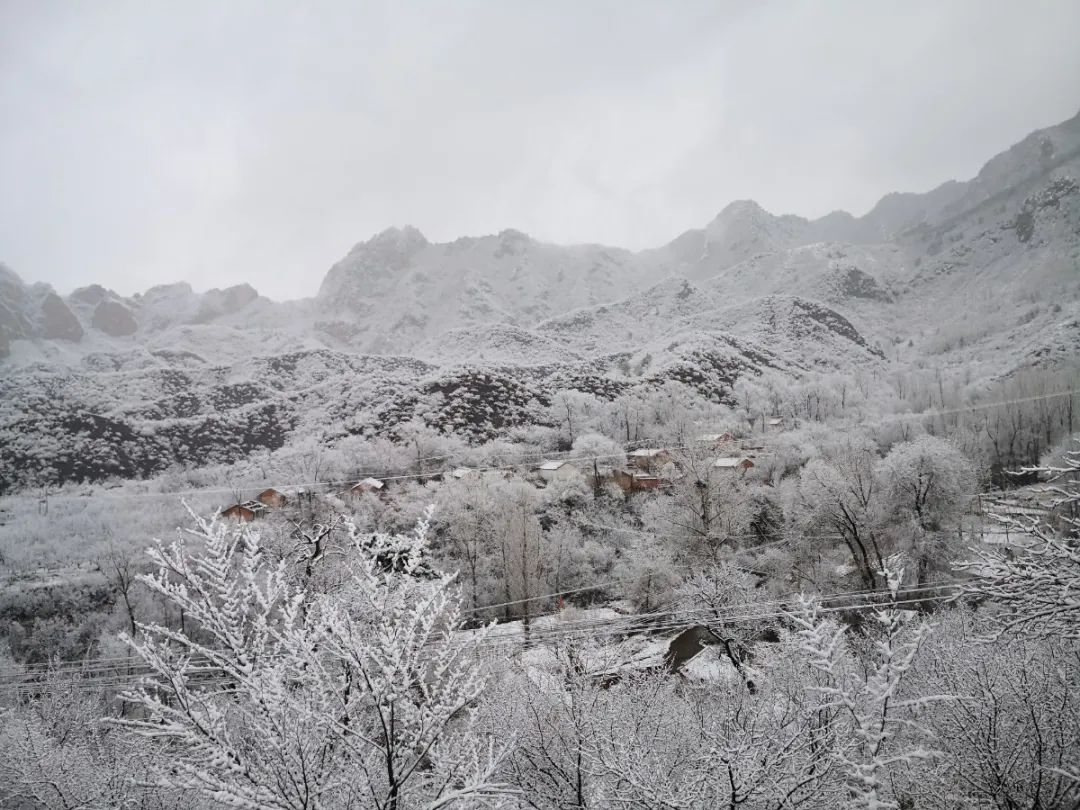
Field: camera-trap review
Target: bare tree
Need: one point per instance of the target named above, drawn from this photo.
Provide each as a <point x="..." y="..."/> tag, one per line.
<point x="844" y="495"/>
<point x="931" y="483"/>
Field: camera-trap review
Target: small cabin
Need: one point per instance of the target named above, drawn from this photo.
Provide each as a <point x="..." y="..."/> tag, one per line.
<point x="272" y="498"/>
<point x="776" y="423"/>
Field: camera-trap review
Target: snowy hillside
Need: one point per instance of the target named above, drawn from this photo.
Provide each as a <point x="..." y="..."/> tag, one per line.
<point x="397" y="289"/>
<point x="473" y="336"/>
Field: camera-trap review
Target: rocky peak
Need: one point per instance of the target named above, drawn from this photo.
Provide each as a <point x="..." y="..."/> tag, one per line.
<point x="739" y="212"/>
<point x="395" y="241"/>
<point x="371" y="265"/>
<point x="90" y="296"/>
<point x="512" y="243"/>
<point x="9" y="278"/>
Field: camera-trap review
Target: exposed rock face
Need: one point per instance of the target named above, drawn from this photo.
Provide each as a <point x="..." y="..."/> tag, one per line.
<point x="91" y="296"/>
<point x="115" y="319"/>
<point x="372" y="266"/>
<point x="216" y="303"/>
<point x="239" y="296"/>
<point x="851" y="282"/>
<point x="57" y="321"/>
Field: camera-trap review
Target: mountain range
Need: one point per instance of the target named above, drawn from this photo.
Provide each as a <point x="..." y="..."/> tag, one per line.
<point x="982" y="275"/>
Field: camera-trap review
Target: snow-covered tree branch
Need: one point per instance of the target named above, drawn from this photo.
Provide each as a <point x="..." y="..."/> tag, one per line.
<point x="1036" y="578"/>
<point x="278" y="698"/>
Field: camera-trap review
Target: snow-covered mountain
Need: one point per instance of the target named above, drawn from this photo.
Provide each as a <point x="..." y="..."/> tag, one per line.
<point x="474" y="334"/>
<point x="397" y="289"/>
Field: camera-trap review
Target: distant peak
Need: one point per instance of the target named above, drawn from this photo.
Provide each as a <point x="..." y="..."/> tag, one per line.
<point x="163" y="290"/>
<point x="837" y="215"/>
<point x="740" y="211"/>
<point x="407" y="235"/>
<point x="10" y="276"/>
<point x="742" y="208"/>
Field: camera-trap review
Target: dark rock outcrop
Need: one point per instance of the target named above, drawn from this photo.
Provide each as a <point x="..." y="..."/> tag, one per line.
<point x="57" y="321"/>
<point x="113" y="318"/>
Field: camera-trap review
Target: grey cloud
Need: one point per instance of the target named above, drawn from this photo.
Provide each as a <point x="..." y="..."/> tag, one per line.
<point x="249" y="141"/>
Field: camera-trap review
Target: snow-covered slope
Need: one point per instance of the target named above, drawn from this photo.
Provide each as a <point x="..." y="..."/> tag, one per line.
<point x="473" y="335"/>
<point x="495" y="344"/>
<point x="397" y="289"/>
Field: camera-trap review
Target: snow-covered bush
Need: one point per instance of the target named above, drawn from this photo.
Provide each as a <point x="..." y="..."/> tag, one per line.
<point x="277" y="697"/>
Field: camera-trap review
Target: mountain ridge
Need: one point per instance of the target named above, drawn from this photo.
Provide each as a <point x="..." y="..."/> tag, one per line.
<point x="472" y="337"/>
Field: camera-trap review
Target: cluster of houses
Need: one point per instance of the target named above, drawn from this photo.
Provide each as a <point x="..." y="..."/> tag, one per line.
<point x="650" y="467"/>
<point x="645" y="468"/>
<point x="272" y="499"/>
<point x="260" y="505"/>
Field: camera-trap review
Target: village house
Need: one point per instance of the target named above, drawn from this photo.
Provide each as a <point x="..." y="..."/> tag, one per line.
<point x="367" y="485"/>
<point x="776" y="423"/>
<point x="272" y="498"/>
<point x="714" y="441"/>
<point x="733" y="464"/>
<point x="649" y="459"/>
<point x="244" y="512"/>
<point x="557" y="470"/>
<point x="634" y="480"/>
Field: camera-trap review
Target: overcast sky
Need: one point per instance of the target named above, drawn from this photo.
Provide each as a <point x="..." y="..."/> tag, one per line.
<point x="219" y="142"/>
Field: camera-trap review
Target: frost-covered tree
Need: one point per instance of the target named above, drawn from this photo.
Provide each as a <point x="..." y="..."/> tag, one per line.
<point x="646" y="741"/>
<point x="56" y="755"/>
<point x="1036" y="579"/>
<point x="575" y="412"/>
<point x="871" y="722"/>
<point x="708" y="508"/>
<point x="843" y="495"/>
<point x="1008" y="739"/>
<point x="279" y="698"/>
<point x="596" y="452"/>
<point x="470" y="514"/>
<point x="647" y="570"/>
<point x="521" y="551"/>
<point x="928" y="484"/>
<point x="724" y="600"/>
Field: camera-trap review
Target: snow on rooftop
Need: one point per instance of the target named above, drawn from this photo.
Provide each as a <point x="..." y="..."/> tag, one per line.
<point x="370" y="483"/>
<point x="552" y="465"/>
<point x="731" y="461"/>
<point x="646" y="452"/>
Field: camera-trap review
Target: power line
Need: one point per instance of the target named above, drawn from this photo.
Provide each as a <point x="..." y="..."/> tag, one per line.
<point x="492" y="645"/>
<point x="593" y="627"/>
